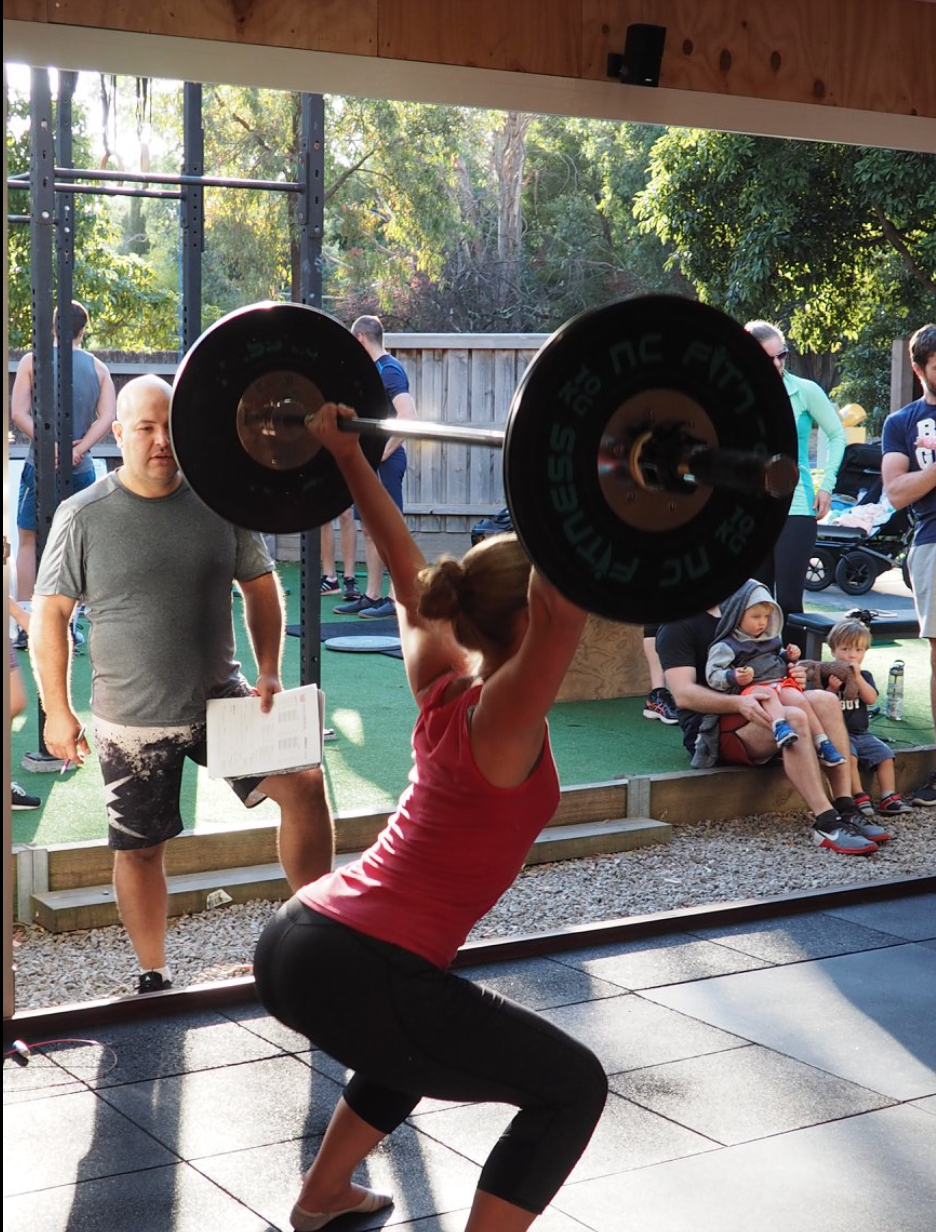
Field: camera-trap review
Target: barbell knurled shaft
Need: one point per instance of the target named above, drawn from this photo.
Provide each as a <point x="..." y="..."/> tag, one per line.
<point x="421" y="429"/>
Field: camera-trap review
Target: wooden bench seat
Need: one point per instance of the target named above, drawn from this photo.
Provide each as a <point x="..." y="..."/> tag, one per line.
<point x="816" y="626"/>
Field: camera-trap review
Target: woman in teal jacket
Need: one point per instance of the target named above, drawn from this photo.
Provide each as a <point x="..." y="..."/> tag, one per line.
<point x="785" y="571"/>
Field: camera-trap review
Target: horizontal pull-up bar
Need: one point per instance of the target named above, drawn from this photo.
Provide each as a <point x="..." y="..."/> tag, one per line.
<point x="156" y="177"/>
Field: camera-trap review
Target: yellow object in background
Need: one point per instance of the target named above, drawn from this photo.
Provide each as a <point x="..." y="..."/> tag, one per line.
<point x="853" y="416"/>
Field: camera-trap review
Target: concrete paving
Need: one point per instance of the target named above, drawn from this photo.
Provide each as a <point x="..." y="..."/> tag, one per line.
<point x="777" y="1075"/>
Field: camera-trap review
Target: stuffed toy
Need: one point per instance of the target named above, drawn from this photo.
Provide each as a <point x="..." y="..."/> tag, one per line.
<point x="818" y="675"/>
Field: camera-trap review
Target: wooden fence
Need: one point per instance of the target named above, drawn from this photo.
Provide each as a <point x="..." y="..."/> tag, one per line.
<point x="463" y="379"/>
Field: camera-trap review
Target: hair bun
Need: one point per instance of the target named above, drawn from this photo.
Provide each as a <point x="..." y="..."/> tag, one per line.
<point x="444" y="585"/>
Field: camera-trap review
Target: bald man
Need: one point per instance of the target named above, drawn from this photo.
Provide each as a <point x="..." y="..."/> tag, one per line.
<point x="154" y="568"/>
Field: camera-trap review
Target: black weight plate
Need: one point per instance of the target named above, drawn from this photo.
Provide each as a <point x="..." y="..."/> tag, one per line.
<point x="607" y="544"/>
<point x="238" y="402"/>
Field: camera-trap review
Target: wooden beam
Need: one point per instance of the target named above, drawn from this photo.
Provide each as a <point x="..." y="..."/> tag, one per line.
<point x="831" y="56"/>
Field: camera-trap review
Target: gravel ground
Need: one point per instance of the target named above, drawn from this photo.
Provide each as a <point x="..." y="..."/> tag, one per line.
<point x="708" y="862"/>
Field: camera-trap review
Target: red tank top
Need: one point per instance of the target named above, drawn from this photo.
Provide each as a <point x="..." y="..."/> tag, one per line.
<point x="451" y="849"/>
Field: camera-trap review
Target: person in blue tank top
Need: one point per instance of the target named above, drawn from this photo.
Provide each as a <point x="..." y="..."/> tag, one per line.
<point x="94" y="402"/>
<point x="785" y="572"/>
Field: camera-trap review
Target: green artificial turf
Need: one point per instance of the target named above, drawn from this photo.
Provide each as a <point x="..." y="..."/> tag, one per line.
<point x="370" y="707"/>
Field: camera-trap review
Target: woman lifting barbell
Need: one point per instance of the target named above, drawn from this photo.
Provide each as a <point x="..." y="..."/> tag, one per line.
<point x="358" y="960"/>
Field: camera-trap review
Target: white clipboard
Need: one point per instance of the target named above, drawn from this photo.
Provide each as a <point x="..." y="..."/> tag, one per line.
<point x="243" y="741"/>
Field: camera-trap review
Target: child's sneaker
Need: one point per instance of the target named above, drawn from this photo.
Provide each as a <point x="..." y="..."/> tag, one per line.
<point x="863" y="804"/>
<point x="351" y="591"/>
<point x="828" y="754"/>
<point x="784" y="733"/>
<point x="329" y="585"/>
<point x="892" y="806"/>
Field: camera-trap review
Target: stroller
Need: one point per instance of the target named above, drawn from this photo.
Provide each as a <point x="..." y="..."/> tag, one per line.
<point x="848" y="555"/>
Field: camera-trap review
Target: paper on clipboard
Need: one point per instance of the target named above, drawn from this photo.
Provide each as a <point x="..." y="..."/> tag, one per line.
<point x="243" y="741"/>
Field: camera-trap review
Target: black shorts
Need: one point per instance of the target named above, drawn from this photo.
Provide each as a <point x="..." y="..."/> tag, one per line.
<point x="142" y="768"/>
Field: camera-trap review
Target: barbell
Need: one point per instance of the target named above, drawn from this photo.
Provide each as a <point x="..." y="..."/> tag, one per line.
<point x="649" y="448"/>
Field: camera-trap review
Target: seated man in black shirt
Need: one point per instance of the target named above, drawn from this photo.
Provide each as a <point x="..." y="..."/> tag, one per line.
<point x="740" y="734"/>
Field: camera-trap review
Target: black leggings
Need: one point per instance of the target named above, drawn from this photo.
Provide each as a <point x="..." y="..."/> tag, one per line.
<point x="409" y="1029"/>
<point x="784" y="572"/>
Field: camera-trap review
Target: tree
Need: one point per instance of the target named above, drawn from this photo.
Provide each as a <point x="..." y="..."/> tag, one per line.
<point x="129" y="311"/>
<point x="835" y="243"/>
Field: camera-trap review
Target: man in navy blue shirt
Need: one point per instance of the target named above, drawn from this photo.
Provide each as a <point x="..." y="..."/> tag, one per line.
<point x="369" y="332"/>
<point x="908" y="468"/>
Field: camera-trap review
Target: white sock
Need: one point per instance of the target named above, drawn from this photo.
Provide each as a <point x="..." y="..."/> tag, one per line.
<point x="163" y="971"/>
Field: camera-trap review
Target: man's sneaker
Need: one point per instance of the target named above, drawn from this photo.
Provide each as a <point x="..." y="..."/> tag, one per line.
<point x="329" y="585"/>
<point x="354" y="607"/>
<point x="660" y="705"/>
<point x="152" y="981"/>
<point x="828" y="754"/>
<point x="845" y="839"/>
<point x="863" y="804"/>
<point x="350" y="588"/>
<point x="783" y="733"/>
<point x="892" y="806"/>
<point x="382" y="608"/>
<point x="868" y="829"/>
<point x="22" y="799"/>
<point x="925" y="797"/>
<point x="21" y="641"/>
<point x="328" y="733"/>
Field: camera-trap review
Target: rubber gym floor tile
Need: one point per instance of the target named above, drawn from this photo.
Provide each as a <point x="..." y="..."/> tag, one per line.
<point x="628" y="1032"/>
<point x="99" y="1142"/>
<point x="254" y="1018"/>
<point x="744" y="1094"/>
<point x="37" y="1079"/>
<point x="913" y="918"/>
<point x="627" y="1136"/>
<point x="158" y="1200"/>
<point x="794" y="938"/>
<point x="551" y="1220"/>
<point x="864" y="1017"/>
<point x="160" y="1048"/>
<point x="652" y="961"/>
<point x="217" y="1110"/>
<point x="540" y="983"/>
<point x="927" y="1105"/>
<point x="869" y="1172"/>
<point x="424" y="1177"/>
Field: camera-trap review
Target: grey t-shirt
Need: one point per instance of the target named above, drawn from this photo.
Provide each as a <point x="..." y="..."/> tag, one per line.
<point x="155" y="577"/>
<point x="86" y="390"/>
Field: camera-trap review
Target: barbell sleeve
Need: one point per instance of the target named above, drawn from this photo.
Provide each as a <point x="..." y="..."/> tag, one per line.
<point x="717" y="468"/>
<point x="740" y="470"/>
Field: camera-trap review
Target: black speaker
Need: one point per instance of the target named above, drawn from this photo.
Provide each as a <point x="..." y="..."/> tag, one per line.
<point x="642" y="58"/>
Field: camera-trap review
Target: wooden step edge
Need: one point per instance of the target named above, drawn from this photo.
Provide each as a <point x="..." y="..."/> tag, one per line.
<point x="598" y="838"/>
<point x="60" y="911"/>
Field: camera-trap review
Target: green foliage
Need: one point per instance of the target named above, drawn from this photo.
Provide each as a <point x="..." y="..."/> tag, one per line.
<point x="445" y="218"/>
<point x="129" y="311"/>
<point x="837" y="244"/>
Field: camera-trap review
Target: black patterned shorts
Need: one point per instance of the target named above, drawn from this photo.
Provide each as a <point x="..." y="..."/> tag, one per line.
<point x="142" y="768"/>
